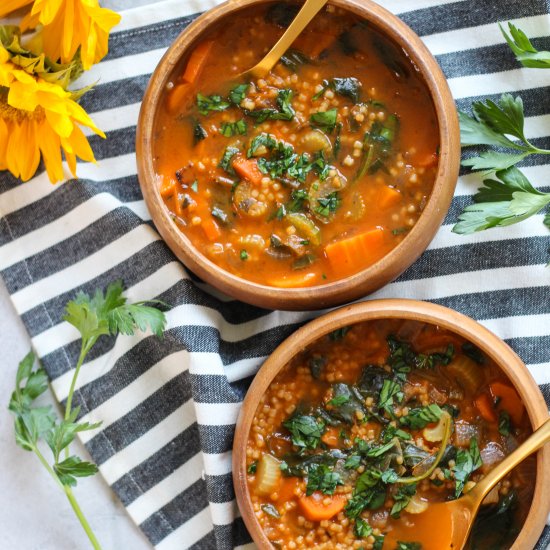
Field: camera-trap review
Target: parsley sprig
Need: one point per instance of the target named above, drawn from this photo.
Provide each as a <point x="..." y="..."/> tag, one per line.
<point x="94" y="316"/>
<point x="525" y="52"/>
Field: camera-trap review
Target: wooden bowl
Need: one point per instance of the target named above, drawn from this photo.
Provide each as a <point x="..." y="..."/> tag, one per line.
<point x="344" y="290"/>
<point x="486" y="341"/>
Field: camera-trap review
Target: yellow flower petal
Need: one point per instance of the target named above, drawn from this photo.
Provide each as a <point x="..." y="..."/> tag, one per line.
<point x="29" y="156"/>
<point x="49" y="144"/>
<point x="11" y="5"/>
<point x="4" y="136"/>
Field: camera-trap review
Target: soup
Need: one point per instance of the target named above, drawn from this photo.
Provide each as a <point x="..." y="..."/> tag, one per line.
<point x="360" y="432"/>
<point x="308" y="175"/>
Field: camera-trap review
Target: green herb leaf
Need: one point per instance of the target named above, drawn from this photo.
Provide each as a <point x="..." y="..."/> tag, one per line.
<point x="401" y="498"/>
<point x="229" y="129"/>
<point x="504" y="426"/>
<point x="238" y="93"/>
<point x="207" y="104"/>
<point x="225" y="162"/>
<point x="244" y="255"/>
<point x="252" y="467"/>
<point x="408" y="545"/>
<point x="71" y="468"/>
<point x="321" y="478"/>
<point x="306" y="431"/>
<point x="325" y="120"/>
<point x="292" y="59"/>
<point x="199" y="133"/>
<point x="378" y="542"/>
<point x="125" y="319"/>
<point x="328" y="204"/>
<point x="284" y="109"/>
<point x="419" y="418"/>
<point x="338" y="334"/>
<point x="525" y="52"/>
<point x="362" y="529"/>
<point x="467" y="462"/>
<point x="348" y="87"/>
<point x="390" y="390"/>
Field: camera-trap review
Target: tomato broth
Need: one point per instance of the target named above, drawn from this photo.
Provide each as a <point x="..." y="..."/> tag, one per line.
<point x="310" y="174"/>
<point x="360" y="432"/>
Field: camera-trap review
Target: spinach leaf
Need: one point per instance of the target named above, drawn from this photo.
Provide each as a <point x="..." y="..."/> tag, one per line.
<point x="238" y="93"/>
<point x="229" y="129"/>
<point x="390" y="432"/>
<point x="324" y="120"/>
<point x="316" y="365"/>
<point x="362" y="529"/>
<point x="390" y="390"/>
<point x="473" y="352"/>
<point x="504" y="426"/>
<point x="284" y="109"/>
<point x="338" y="334"/>
<point x="347" y="87"/>
<point x="370" y="498"/>
<point x="372" y="379"/>
<point x="199" y="133"/>
<point x="292" y="59"/>
<point x="227" y="157"/>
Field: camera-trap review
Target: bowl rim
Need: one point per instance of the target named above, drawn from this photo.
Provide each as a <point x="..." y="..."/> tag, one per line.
<point x="343" y="290"/>
<point x="503" y="356"/>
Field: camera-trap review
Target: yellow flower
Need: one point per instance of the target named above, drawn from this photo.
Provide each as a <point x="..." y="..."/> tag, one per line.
<point x="39" y="118"/>
<point x="68" y="25"/>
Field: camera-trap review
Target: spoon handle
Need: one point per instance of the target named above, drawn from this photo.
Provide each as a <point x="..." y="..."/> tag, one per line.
<point x="304" y="16"/>
<point x="529" y="446"/>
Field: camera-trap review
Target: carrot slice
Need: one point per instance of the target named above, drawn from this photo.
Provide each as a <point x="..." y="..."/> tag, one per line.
<point x="331" y="437"/>
<point x="315" y="509"/>
<point x="486" y="407"/>
<point x="177" y="96"/>
<point x="508" y="400"/>
<point x="210" y="228"/>
<point x="248" y="169"/>
<point x="197" y="60"/>
<point x="293" y="280"/>
<point x="350" y="255"/>
<point x="388" y="196"/>
<point x="167" y="188"/>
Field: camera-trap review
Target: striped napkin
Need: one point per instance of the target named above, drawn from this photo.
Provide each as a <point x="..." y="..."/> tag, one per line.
<point x="168" y="407"/>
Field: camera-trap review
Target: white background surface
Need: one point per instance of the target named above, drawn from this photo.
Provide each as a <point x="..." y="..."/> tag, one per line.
<point x="34" y="513"/>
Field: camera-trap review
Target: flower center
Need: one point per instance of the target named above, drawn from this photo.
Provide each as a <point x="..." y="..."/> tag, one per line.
<point x="11" y="114"/>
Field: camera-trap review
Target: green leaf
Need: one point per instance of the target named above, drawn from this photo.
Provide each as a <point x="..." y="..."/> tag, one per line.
<point x="306" y="431"/>
<point x="125" y="319"/>
<point x="79" y="314"/>
<point x="292" y="59"/>
<point x="408" y="545"/>
<point x="238" y="93"/>
<point x="284" y="109"/>
<point x="390" y="390"/>
<point x="328" y="204"/>
<point x="25" y="367"/>
<point x="229" y="129"/>
<point x="504" y="117"/>
<point x="504" y="427"/>
<point x="225" y="162"/>
<point x="546" y="220"/>
<point x="419" y="418"/>
<point x="324" y="120"/>
<point x="525" y="52"/>
<point x="211" y="103"/>
<point x="321" y="478"/>
<point x="494" y="160"/>
<point x="401" y="498"/>
<point x="31" y="424"/>
<point x="473" y="132"/>
<point x="71" y="468"/>
<point x="362" y="529"/>
<point x="270" y="510"/>
<point x="467" y="462"/>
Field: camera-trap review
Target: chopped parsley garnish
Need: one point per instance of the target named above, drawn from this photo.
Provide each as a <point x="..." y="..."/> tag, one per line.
<point x="297" y="202"/>
<point x="207" y="104"/>
<point x="284" y="109"/>
<point x="390" y="390"/>
<point x="408" y="545"/>
<point x="467" y="461"/>
<point x="338" y="334"/>
<point x="362" y="529"/>
<point x="238" y="93"/>
<point x="328" y="204"/>
<point x="401" y="498"/>
<point x="325" y="120"/>
<point x="306" y="431"/>
<point x="244" y="255"/>
<point x="346" y="87"/>
<point x="321" y="478"/>
<point x="229" y="129"/>
<point x="504" y="426"/>
<point x="419" y="418"/>
<point x="227" y="157"/>
<point x="195" y="186"/>
<point x="252" y="467"/>
<point x="338" y="400"/>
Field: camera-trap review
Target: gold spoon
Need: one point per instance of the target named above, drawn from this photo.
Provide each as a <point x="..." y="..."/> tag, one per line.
<point x="449" y="523"/>
<point x="308" y="11"/>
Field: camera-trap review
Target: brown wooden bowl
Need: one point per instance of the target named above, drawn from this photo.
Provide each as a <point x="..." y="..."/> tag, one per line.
<point x="489" y="343"/>
<point x="344" y="290"/>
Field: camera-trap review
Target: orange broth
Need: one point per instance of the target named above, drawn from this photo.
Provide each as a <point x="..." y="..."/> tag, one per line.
<point x="331" y="181"/>
<point x="325" y="433"/>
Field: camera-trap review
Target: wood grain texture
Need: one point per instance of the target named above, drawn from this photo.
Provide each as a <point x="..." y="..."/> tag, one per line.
<point x="489" y="343"/>
<point x="350" y="288"/>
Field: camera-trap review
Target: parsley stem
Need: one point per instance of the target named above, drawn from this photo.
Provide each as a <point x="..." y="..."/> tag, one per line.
<point x="81" y="518"/>
<point x="70" y="496"/>
<point x="84" y="349"/>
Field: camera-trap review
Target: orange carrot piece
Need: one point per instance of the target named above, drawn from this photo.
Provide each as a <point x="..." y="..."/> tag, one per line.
<point x="354" y="253"/>
<point x="314" y="508"/>
<point x="388" y="196"/>
<point x="248" y="169"/>
<point x="197" y="61"/>
<point x="210" y="228"/>
<point x="313" y="43"/>
<point x="167" y="188"/>
<point x="293" y="280"/>
<point x="508" y="400"/>
<point x="486" y="407"/>
<point x="177" y="96"/>
<point x="331" y="437"/>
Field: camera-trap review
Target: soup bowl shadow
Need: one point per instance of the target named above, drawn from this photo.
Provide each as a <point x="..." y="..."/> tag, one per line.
<point x="344" y="290"/>
<point x="490" y="344"/>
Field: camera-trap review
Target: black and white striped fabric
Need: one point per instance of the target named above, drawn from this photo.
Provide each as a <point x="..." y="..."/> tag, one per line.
<point x="168" y="407"/>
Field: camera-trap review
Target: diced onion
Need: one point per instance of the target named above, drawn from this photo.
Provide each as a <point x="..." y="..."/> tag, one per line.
<point x="268" y="475"/>
<point x="416" y="505"/>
